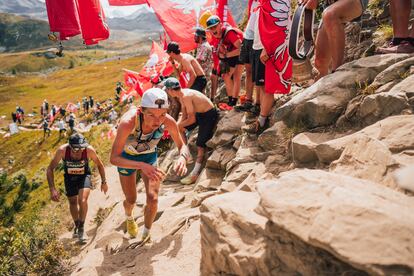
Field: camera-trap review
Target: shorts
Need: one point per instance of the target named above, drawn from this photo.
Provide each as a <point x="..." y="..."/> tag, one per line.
<point x="246" y="52"/>
<point x="258" y="69"/>
<point x="232" y="61"/>
<point x="200" y="83"/>
<point x="75" y="183"/>
<point x="206" y="123"/>
<point x="149" y="158"/>
<point x="214" y="72"/>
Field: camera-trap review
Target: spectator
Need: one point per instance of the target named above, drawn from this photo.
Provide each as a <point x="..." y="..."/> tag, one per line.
<point x="91" y="101"/>
<point x="246" y="58"/>
<point x="46" y="129"/>
<point x="78" y="105"/>
<point x="71" y="122"/>
<point x="19" y="118"/>
<point x="45" y="108"/>
<point x="330" y="40"/>
<point x="53" y="111"/>
<point x="403" y="40"/>
<point x="14" y="117"/>
<point x="62" y="128"/>
<point x="228" y="52"/>
<point x="204" y="52"/>
<point x="62" y="111"/>
<point x="118" y="91"/>
<point x="113" y="116"/>
<point x="189" y="65"/>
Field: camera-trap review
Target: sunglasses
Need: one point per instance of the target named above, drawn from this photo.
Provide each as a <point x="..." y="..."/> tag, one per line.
<point x="75" y="149"/>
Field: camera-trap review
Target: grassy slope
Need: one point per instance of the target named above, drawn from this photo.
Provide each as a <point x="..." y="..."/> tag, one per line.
<point x="63" y="86"/>
<point x="31" y="156"/>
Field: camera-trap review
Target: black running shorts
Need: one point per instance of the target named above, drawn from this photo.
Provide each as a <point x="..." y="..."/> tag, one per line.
<point x="74" y="184"/>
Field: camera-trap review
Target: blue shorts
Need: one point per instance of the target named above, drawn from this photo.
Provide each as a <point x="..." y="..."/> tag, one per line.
<point x="149" y="158"/>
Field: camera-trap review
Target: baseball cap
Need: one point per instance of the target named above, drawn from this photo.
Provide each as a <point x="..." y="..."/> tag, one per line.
<point x="172" y="83"/>
<point x="78" y="141"/>
<point x="173" y="47"/>
<point x="212" y="21"/>
<point x="155" y="98"/>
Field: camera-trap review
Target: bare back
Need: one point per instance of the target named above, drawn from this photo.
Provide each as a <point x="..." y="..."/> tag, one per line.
<point x="189" y="60"/>
<point x="195" y="101"/>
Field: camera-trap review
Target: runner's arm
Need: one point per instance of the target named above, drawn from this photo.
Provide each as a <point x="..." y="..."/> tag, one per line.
<point x="53" y="164"/>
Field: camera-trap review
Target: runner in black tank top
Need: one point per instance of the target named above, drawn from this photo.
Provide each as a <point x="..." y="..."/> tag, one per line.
<point x="77" y="178"/>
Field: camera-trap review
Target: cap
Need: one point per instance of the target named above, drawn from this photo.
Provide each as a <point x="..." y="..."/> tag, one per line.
<point x="212" y="21"/>
<point x="172" y="83"/>
<point x="200" y="32"/>
<point x="173" y="47"/>
<point x="78" y="141"/>
<point x="155" y="98"/>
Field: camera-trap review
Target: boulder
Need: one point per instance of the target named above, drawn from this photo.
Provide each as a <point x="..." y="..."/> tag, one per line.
<point x="227" y="129"/>
<point x="232" y="236"/>
<point x="220" y="157"/>
<point x="239" y="173"/>
<point x="393" y="72"/>
<point x="365" y="158"/>
<point x="199" y="198"/>
<point x="406" y="85"/>
<point x="209" y="179"/>
<point x="304" y="146"/>
<point x="322" y="103"/>
<point x="276" y="138"/>
<point x="341" y="220"/>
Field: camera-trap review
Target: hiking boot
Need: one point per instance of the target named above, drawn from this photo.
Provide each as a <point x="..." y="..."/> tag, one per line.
<point x="189" y="179"/>
<point x="244" y="107"/>
<point x="255" y="128"/>
<point x="132" y="227"/>
<point x="75" y="233"/>
<point x="255" y="110"/>
<point x="402" y="48"/>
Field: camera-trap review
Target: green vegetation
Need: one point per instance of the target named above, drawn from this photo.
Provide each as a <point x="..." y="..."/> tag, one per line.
<point x="383" y="34"/>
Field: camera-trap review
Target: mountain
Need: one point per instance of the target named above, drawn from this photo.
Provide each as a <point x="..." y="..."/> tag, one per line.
<point x="142" y="21"/>
<point x="32" y="8"/>
<point x="238" y="8"/>
<point x="19" y="33"/>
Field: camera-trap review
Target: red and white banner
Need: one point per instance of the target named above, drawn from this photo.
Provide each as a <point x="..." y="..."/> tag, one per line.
<point x="63" y="18"/>
<point x="126" y="2"/>
<point x="274" y="33"/>
<point x="180" y="18"/>
<point x="71" y="107"/>
<point x="92" y="21"/>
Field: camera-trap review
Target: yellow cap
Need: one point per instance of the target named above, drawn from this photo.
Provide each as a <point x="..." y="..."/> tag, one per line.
<point x="203" y="18"/>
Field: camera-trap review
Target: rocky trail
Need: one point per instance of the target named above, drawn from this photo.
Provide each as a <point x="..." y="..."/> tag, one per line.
<point x="315" y="194"/>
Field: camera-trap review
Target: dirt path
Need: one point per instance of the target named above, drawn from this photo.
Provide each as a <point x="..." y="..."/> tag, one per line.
<point x="176" y="240"/>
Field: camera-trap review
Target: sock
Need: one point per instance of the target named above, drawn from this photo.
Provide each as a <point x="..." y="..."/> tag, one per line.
<point x="129" y="217"/>
<point x="145" y="231"/>
<point x="262" y="120"/>
<point x="397" y="40"/>
<point x="235" y="101"/>
<point x="77" y="223"/>
<point x="229" y="99"/>
<point x="81" y="224"/>
<point x="196" y="169"/>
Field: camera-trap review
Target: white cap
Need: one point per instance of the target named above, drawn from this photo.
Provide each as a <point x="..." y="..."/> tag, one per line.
<point x="155" y="98"/>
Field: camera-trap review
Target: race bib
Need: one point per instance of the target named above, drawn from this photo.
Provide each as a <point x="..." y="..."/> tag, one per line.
<point x="76" y="171"/>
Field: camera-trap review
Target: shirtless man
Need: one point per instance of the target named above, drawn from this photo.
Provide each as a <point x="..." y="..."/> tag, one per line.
<point x="135" y="149"/>
<point x="197" y="110"/>
<point x="188" y="65"/>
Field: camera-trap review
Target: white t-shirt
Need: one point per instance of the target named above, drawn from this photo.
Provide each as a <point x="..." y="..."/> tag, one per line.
<point x="249" y="32"/>
<point x="61" y="125"/>
<point x="257" y="43"/>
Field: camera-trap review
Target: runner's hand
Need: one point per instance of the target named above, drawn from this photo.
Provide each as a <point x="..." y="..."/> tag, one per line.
<point x="104" y="187"/>
<point x="309" y="4"/>
<point x="180" y="166"/>
<point x="152" y="173"/>
<point x="54" y="195"/>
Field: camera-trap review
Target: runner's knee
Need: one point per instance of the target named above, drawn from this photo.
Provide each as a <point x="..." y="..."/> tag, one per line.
<point x="330" y="17"/>
<point x="131" y="199"/>
<point x="152" y="198"/>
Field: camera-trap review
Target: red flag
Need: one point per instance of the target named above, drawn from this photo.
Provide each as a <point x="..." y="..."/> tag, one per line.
<point x="183" y="80"/>
<point x="63" y="18"/>
<point x="126" y="2"/>
<point x="92" y="21"/>
<point x="274" y="32"/>
<point x="180" y="18"/>
<point x="134" y="81"/>
<point x="224" y="13"/>
<point x="71" y="107"/>
<point x="158" y="63"/>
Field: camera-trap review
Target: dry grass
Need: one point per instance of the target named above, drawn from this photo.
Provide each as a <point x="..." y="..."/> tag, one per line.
<point x="383" y="34"/>
<point x="63" y="86"/>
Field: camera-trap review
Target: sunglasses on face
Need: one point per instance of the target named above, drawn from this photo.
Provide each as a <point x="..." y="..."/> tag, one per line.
<point x="75" y="149"/>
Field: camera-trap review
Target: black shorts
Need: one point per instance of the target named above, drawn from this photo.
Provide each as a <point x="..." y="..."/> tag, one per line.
<point x="74" y="183"/>
<point x="206" y="123"/>
<point x="199" y="83"/>
<point x="232" y="61"/>
<point x="246" y="52"/>
<point x="258" y="69"/>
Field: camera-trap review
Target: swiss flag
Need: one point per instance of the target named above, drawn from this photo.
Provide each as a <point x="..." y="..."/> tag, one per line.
<point x="180" y="18"/>
<point x="274" y="30"/>
<point x="126" y="2"/>
<point x="63" y="18"/>
<point x="92" y="21"/>
<point x="71" y="107"/>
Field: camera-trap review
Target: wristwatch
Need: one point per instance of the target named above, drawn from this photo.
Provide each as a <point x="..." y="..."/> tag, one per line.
<point x="103" y="182"/>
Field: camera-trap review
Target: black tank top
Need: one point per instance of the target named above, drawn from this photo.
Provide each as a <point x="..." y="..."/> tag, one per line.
<point x="76" y="168"/>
